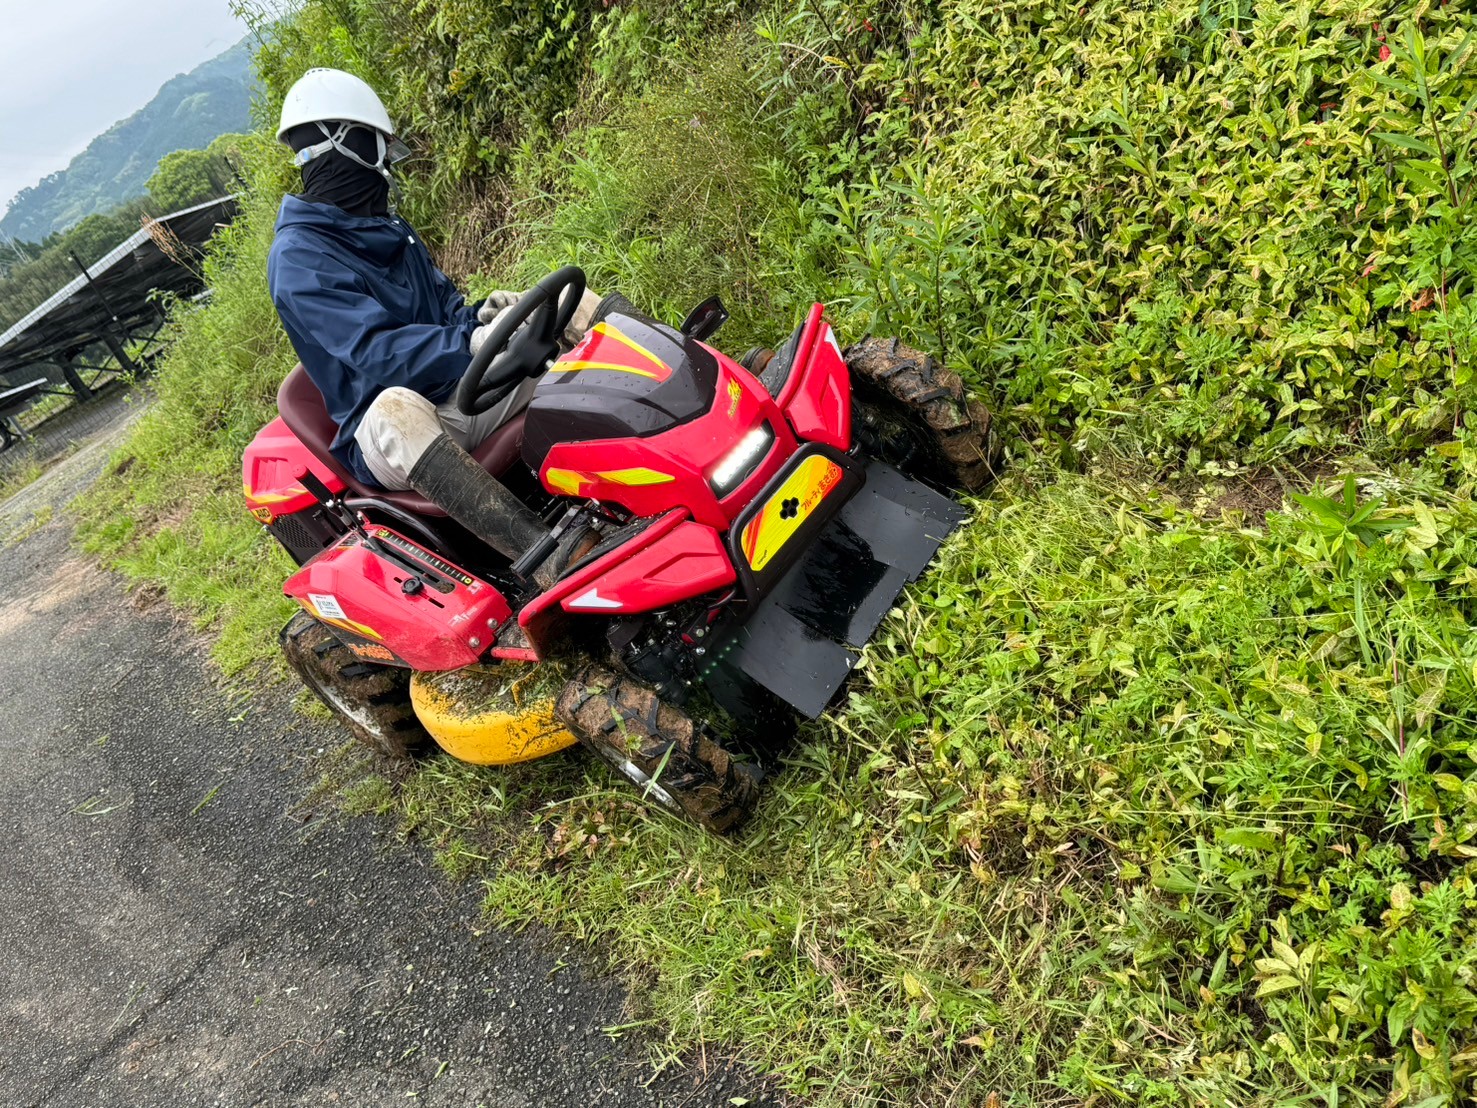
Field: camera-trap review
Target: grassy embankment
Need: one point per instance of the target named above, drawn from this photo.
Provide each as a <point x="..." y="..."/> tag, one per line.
<point x="1146" y="797"/>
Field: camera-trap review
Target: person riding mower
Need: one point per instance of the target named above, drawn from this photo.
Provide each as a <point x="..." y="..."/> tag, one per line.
<point x="743" y="525"/>
<point x="381" y="331"/>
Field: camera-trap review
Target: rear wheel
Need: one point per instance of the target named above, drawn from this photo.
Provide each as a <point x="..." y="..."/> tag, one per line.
<point x="916" y="416"/>
<point x="372" y="700"/>
<point x="661" y="750"/>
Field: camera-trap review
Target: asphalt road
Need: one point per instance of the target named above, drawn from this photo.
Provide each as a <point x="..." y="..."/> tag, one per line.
<point x="176" y="930"/>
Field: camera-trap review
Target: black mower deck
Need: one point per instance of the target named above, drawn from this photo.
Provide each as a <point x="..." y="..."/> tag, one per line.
<point x="805" y="635"/>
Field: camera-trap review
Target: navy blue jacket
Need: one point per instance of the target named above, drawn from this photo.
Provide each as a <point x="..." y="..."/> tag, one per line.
<point x="365" y="309"/>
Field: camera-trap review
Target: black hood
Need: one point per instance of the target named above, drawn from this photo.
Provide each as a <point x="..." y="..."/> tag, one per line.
<point x="590" y="404"/>
<point x="342" y="182"/>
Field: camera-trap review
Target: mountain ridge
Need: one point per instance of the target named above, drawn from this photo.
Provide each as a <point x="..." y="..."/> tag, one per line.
<point x="188" y="112"/>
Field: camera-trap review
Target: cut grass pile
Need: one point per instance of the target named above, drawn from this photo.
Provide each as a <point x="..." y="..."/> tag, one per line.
<point x="1130" y="804"/>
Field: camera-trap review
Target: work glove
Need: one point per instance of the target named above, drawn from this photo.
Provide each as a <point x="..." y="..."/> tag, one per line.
<point x="496" y="301"/>
<point x="490" y="319"/>
<point x="579" y="323"/>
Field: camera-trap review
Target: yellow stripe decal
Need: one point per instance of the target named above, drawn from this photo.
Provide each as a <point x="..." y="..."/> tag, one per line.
<point x="565" y="480"/>
<point x="638" y="476"/>
<point x="605" y="330"/>
<point x="355" y="628"/>
<point x="347" y="624"/>
<point x="575" y="367"/>
<point x="275" y="497"/>
<point x="625" y="340"/>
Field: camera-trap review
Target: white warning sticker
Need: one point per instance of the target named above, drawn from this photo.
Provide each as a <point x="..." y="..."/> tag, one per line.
<point x="328" y="607"/>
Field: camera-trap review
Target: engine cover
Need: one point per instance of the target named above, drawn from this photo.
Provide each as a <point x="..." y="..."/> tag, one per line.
<point x="627" y="378"/>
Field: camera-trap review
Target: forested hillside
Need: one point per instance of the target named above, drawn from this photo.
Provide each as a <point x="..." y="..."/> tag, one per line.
<point x="1161" y="788"/>
<point x="188" y="113"/>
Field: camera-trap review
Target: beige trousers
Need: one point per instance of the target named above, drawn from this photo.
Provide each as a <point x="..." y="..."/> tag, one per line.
<point x="401" y="424"/>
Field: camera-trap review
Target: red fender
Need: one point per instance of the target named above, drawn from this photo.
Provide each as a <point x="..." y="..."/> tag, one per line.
<point x="817" y="397"/>
<point x="270" y="471"/>
<point x="672" y="560"/>
<point x="362" y="596"/>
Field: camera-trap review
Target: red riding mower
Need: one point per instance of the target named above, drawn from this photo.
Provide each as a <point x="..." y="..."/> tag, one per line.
<point x="753" y="522"/>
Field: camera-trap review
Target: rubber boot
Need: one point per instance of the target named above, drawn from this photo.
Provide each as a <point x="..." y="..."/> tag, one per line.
<point x="449" y="477"/>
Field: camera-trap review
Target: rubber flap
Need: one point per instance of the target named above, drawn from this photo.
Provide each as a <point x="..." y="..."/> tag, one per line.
<point x="804" y="636"/>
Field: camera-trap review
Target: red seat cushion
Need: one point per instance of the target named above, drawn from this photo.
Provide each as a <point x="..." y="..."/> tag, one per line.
<point x="301" y="406"/>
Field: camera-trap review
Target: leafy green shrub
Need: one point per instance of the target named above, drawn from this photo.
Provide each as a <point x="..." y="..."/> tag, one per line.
<point x="1261" y="185"/>
<point x="1130" y="808"/>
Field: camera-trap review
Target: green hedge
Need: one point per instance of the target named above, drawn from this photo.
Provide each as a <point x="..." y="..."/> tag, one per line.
<point x="1197" y="229"/>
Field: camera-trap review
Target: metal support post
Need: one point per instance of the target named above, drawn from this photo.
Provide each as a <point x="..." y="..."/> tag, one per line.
<point x="118" y="352"/>
<point x="74" y="380"/>
<point x="119" y="336"/>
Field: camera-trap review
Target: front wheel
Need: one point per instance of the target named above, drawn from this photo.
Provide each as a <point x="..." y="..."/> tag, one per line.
<point x="667" y="755"/>
<point x="373" y="701"/>
<point x="916" y="416"/>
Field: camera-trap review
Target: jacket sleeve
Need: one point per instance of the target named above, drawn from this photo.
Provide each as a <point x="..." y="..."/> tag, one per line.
<point x="452" y="300"/>
<point x="327" y="303"/>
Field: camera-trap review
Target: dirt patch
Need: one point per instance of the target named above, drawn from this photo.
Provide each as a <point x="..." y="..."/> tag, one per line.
<point x="12" y="616"/>
<point x="70" y="580"/>
<point x="1245" y="497"/>
<point x="66" y="586"/>
<point x="1248" y="498"/>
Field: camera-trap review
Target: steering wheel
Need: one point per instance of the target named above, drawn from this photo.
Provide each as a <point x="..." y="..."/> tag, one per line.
<point x="514" y="352"/>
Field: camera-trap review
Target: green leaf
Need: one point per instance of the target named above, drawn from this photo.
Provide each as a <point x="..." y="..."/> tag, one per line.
<point x="1407" y="142"/>
<point x="1285" y="953"/>
<point x="1249" y="837"/>
<point x="1395" y="83"/>
<point x="1278" y="984"/>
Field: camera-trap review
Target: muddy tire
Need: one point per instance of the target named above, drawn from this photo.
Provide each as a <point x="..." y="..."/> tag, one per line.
<point x="918" y="417"/>
<point x="666" y="754"/>
<point x="373" y="701"/>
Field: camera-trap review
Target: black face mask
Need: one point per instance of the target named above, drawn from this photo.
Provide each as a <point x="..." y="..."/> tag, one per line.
<point x="342" y="182"/>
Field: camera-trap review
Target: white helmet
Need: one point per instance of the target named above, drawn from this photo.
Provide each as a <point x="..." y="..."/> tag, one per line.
<point x="332" y="94"/>
<point x="324" y="96"/>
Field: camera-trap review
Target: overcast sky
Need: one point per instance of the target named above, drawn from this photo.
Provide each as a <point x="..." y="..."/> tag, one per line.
<point x="70" y="69"/>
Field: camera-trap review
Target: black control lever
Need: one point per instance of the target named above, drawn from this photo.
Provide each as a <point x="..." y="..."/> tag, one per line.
<point x="537" y="554"/>
<point x="349" y="519"/>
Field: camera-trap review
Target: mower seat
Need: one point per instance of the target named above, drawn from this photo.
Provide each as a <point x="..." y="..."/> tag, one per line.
<point x="301" y="406"/>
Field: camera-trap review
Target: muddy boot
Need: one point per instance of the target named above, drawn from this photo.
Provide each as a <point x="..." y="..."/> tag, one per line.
<point x="448" y="476"/>
<point x="756" y="359"/>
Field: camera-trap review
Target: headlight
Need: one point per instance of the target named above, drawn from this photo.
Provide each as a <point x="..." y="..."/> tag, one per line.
<point x="742" y="460"/>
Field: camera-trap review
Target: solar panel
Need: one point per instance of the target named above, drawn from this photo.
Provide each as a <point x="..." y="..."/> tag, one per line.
<point x="117" y="286"/>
